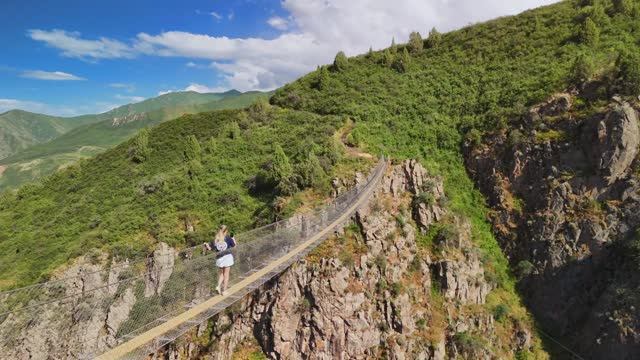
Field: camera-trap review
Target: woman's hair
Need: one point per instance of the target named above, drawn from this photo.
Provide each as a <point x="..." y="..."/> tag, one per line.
<point x="219" y="235"/>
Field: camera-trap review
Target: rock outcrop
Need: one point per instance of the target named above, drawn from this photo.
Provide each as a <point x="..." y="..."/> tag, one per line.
<point x="563" y="186"/>
<point x="373" y="292"/>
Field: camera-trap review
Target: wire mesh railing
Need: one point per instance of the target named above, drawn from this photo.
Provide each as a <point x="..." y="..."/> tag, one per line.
<point x="190" y="281"/>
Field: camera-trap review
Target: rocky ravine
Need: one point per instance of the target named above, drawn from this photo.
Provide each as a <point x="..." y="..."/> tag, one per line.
<point x="372" y="293"/>
<point x="564" y="186"/>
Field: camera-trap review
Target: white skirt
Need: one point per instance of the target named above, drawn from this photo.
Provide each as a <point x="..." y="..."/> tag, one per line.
<point x="225" y="261"/>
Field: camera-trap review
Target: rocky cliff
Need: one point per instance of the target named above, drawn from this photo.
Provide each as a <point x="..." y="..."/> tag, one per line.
<point x="403" y="280"/>
<point x="378" y="289"/>
<point x="563" y="182"/>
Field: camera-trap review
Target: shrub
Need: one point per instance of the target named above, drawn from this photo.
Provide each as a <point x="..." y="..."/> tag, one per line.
<point x="500" y="312"/>
<point x="401" y="63"/>
<point x="524" y="269"/>
<point x="340" y="62"/>
<point x="310" y="172"/>
<point x="416" y="44"/>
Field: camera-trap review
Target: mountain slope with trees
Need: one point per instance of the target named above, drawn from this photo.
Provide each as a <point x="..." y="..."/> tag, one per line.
<point x="106" y="130"/>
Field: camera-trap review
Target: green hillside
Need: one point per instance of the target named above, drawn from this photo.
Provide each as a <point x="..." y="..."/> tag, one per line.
<point x="117" y="126"/>
<point x="21" y="129"/>
<point x="421" y="100"/>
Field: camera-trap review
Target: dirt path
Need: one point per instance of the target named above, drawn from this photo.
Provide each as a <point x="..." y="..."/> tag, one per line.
<point x="2" y="169"/>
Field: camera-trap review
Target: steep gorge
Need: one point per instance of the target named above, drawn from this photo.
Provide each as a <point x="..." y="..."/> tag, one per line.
<point x="563" y="183"/>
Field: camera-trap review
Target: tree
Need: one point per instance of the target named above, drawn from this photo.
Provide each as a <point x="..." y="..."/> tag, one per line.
<point x="340" y="62"/>
<point x="623" y="6"/>
<point x="628" y="66"/>
<point x="434" y="39"/>
<point x="370" y="52"/>
<point x="582" y="70"/>
<point x="387" y="58"/>
<point x="310" y="172"/>
<point x="590" y="34"/>
<point x="192" y="149"/>
<point x="401" y="63"/>
<point x="139" y="150"/>
<point x="415" y="42"/>
<point x="282" y="172"/>
<point x="394" y="47"/>
<point x="322" y="79"/>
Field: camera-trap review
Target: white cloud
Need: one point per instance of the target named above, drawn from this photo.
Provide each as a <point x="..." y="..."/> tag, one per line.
<point x="203" y="88"/>
<point x="278" y="23"/>
<point x="231" y="15"/>
<point x="317" y="30"/>
<point x="215" y="15"/>
<point x="165" y="92"/>
<point x="125" y="86"/>
<point x="50" y="75"/>
<point x="73" y="46"/>
<point x="133" y="99"/>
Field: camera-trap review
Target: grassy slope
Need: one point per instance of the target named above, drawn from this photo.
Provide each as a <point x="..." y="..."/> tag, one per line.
<point x="89" y="140"/>
<point x="101" y="203"/>
<point x="474" y="79"/>
<point x="21" y="129"/>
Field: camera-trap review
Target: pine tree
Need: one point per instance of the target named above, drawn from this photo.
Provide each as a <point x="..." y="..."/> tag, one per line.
<point x="628" y="66"/>
<point x="370" y="52"/>
<point x="401" y="63"/>
<point x="387" y="58"/>
<point x="340" y="62"/>
<point x="416" y="44"/>
<point x="139" y="151"/>
<point x="435" y="38"/>
<point x="282" y="172"/>
<point x="192" y="149"/>
<point x="322" y="80"/>
<point x="590" y="32"/>
<point x="310" y="172"/>
<point x="394" y="47"/>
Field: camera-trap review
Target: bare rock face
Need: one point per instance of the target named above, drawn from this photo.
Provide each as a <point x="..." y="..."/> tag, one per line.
<point x="562" y="211"/>
<point x="373" y="302"/>
<point x="160" y="265"/>
<point x="613" y="142"/>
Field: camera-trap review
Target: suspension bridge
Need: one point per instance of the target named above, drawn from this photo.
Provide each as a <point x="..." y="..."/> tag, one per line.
<point x="185" y="299"/>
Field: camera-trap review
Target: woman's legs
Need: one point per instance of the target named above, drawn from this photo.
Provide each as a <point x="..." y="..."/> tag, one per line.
<point x="227" y="272"/>
<point x="220" y="280"/>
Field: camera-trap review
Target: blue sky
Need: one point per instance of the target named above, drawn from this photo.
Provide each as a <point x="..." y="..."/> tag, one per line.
<point x="73" y="57"/>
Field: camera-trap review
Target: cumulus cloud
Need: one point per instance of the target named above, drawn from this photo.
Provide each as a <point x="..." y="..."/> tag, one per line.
<point x="203" y="88"/>
<point x="278" y="23"/>
<point x="314" y="32"/>
<point x="72" y="45"/>
<point x="50" y="75"/>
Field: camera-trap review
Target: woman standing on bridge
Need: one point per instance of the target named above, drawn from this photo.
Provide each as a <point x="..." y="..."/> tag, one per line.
<point x="222" y="244"/>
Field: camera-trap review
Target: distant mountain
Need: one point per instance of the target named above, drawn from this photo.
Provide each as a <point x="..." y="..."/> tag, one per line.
<point x="22" y="129"/>
<point x="103" y="131"/>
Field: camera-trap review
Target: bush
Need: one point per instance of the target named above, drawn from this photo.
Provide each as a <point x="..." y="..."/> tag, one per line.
<point x="192" y="149"/>
<point x="401" y="63"/>
<point x="524" y="269"/>
<point x="416" y="44"/>
<point x="500" y="312"/>
<point x="310" y="172"/>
